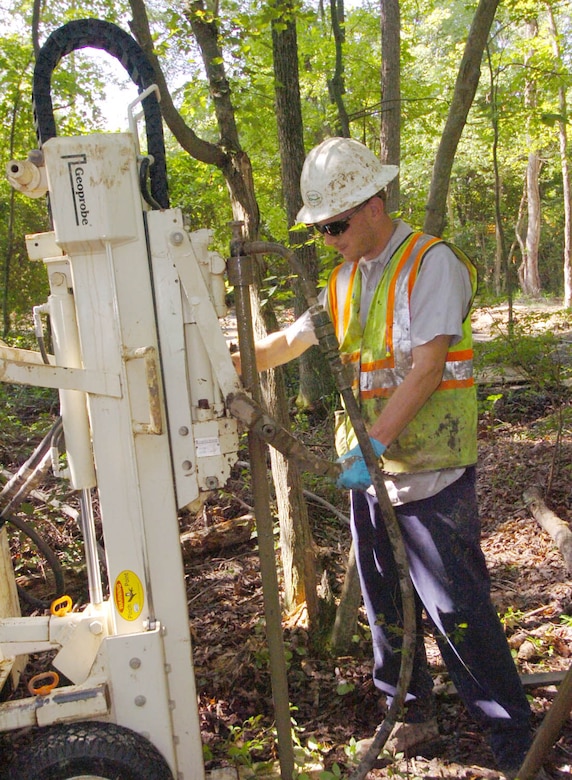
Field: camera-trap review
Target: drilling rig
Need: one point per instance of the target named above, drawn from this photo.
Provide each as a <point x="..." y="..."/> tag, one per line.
<point x="149" y="401"/>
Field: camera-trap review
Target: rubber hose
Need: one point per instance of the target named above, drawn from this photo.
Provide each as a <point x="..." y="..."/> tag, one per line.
<point x="51" y="558"/>
<point x="99" y="34"/>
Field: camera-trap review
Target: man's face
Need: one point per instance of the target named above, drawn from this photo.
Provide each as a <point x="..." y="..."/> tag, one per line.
<point x="352" y="233"/>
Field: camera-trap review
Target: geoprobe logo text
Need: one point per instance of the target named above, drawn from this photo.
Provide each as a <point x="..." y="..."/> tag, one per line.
<point x="77" y="174"/>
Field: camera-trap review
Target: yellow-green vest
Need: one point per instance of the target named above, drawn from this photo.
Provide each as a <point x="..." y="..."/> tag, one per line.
<point x="444" y="432"/>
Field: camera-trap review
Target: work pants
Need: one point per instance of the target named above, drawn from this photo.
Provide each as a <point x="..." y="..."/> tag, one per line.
<point x="441" y="535"/>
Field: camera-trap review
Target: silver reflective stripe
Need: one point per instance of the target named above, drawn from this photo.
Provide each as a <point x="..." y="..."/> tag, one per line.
<point x="458" y="370"/>
<point x="386" y="378"/>
<point x="379" y="379"/>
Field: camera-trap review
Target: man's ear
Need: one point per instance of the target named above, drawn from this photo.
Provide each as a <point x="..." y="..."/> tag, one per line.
<point x="377" y="207"/>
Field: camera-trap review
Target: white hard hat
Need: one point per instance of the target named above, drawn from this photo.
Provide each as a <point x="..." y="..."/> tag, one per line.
<point x="337" y="175"/>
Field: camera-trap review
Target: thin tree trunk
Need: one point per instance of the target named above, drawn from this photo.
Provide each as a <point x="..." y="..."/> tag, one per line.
<point x="9" y="254"/>
<point x="390" y="135"/>
<point x="346" y="615"/>
<point x="336" y="83"/>
<point x="528" y="271"/>
<point x="501" y="260"/>
<point x="298" y="556"/>
<point x="566" y="187"/>
<point x="465" y="88"/>
<point x="315" y="379"/>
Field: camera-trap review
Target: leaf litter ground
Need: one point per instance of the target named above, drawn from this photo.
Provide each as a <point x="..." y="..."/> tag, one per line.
<point x="334" y="700"/>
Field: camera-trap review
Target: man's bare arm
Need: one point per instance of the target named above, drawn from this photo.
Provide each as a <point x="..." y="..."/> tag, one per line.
<point x="273" y="350"/>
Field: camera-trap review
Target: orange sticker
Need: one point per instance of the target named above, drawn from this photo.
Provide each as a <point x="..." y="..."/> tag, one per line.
<point x="128" y="595"/>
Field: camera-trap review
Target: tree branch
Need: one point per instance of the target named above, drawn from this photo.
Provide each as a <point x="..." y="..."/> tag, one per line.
<point x="201" y="150"/>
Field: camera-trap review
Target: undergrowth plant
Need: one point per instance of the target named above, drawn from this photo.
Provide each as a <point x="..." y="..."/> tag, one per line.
<point x="539" y="392"/>
<point x="26" y="414"/>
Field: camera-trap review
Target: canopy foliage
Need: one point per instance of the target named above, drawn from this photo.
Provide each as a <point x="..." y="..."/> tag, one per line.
<point x="433" y="36"/>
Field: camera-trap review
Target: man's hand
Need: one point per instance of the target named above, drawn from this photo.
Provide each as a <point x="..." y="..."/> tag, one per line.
<point x="355" y="474"/>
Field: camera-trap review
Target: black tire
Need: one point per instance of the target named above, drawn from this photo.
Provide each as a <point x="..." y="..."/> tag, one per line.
<point x="88" y="751"/>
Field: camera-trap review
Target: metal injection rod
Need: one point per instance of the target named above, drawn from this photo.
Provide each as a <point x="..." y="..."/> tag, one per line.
<point x="241" y="275"/>
<point x="329" y="344"/>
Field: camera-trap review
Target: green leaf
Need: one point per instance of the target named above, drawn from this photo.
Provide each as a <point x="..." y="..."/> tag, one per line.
<point x="344" y="688"/>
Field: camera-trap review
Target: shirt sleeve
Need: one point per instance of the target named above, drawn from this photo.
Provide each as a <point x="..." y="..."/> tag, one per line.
<point x="441" y="297"/>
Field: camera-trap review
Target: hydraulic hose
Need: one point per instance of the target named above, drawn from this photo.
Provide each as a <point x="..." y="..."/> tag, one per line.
<point x="29" y="474"/>
<point x="99" y="34"/>
<point x="14" y="493"/>
<point x="51" y="559"/>
<point x="329" y="344"/>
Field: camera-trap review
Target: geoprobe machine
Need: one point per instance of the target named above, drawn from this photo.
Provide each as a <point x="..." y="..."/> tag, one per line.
<point x="149" y="404"/>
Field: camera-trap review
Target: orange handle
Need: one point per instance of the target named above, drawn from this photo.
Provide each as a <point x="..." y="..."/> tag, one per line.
<point x="38" y="687"/>
<point x="60" y="607"/>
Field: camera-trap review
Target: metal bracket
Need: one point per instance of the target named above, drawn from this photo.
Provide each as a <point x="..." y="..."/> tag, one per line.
<point x="149" y="355"/>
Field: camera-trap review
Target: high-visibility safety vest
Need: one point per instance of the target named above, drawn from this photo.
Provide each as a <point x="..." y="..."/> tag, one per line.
<point x="443" y="433"/>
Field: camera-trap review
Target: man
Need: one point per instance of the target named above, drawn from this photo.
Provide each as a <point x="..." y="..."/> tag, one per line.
<point x="400" y="305"/>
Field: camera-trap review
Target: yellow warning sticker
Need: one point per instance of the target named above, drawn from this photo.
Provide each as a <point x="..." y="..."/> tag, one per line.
<point x="128" y="595"/>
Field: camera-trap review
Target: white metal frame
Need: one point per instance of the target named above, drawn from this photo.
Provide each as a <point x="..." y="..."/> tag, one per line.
<point x="132" y="297"/>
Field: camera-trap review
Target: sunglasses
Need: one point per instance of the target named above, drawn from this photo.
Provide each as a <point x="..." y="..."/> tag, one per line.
<point x="338" y="226"/>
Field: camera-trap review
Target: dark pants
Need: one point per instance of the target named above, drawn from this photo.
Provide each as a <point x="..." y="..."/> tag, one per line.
<point x="441" y="535"/>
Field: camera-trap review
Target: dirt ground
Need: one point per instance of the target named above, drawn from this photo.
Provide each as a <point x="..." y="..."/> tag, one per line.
<point x="333" y="698"/>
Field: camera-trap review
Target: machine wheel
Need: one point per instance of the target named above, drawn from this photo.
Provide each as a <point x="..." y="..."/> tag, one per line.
<point x="89" y="751"/>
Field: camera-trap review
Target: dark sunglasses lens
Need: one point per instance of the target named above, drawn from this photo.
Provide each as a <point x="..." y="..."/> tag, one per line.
<point x="333" y="228"/>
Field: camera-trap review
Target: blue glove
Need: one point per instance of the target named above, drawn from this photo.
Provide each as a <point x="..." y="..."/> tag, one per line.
<point x="355" y="474"/>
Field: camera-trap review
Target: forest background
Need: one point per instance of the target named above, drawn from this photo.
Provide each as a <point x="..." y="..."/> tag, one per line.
<point x="511" y="145"/>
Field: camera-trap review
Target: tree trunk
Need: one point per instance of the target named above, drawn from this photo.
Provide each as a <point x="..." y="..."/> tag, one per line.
<point x="346" y="615"/>
<point x="336" y="83"/>
<point x="566" y="187"/>
<point x="9" y="252"/>
<point x="390" y="135"/>
<point x="297" y="548"/>
<point x="528" y="271"/>
<point x="315" y="379"/>
<point x="465" y="88"/>
<point x="501" y="259"/>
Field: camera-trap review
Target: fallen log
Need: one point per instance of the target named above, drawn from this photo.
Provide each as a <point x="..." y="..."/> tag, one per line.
<point x="558" y="529"/>
<point x="219" y="536"/>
